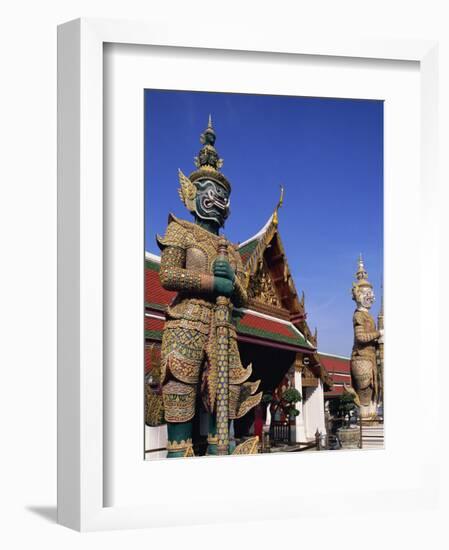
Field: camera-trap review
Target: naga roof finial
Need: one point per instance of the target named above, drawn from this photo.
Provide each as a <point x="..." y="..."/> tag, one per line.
<point x="279" y="204"/>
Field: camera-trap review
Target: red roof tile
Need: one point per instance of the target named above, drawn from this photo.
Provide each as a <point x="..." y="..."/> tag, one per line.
<point x="336" y="390"/>
<point x="154" y="324"/>
<point x="269" y="329"/>
<point x="257" y="322"/>
<point x="154" y="293"/>
<point x="335" y="364"/>
<point x="339" y="378"/>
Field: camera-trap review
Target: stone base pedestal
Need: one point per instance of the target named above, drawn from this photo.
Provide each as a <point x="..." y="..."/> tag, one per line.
<point x="349" y="437"/>
<point x="369" y="412"/>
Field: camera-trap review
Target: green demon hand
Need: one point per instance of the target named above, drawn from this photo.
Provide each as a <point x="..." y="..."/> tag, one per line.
<point x="222" y="268"/>
<point x="223" y="287"/>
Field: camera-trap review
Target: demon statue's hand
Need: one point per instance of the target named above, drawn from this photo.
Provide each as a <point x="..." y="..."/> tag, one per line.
<point x="223" y="269"/>
<point x="223" y="287"/>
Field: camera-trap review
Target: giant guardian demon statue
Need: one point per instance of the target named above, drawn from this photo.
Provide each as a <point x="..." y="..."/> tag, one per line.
<point x="367" y="338"/>
<point x="199" y="353"/>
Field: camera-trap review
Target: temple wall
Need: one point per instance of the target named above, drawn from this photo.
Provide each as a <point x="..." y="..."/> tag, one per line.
<point x="313" y="411"/>
<point x="155" y="438"/>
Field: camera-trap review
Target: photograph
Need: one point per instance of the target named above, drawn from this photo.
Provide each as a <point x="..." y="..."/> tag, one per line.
<point x="263" y="313"/>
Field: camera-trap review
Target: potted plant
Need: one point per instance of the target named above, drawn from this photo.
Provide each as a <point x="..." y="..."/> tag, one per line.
<point x="348" y="435"/>
<point x="289" y="398"/>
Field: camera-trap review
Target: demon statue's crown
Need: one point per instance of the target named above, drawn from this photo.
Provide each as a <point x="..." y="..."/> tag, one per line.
<point x="362" y="289"/>
<point x="206" y="191"/>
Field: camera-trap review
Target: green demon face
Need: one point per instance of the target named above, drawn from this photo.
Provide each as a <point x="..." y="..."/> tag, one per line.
<point x="212" y="201"/>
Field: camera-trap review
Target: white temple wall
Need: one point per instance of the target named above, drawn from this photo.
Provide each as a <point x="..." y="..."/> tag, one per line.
<point x="155" y="438"/>
<point x="313" y="406"/>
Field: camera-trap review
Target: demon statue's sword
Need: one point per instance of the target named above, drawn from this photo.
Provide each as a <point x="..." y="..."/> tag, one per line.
<point x="222" y="320"/>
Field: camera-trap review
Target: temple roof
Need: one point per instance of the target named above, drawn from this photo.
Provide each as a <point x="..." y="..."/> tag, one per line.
<point x="266" y="245"/>
<point x="247" y="248"/>
<point x="265" y="249"/>
<point x="270" y="328"/>
<point x="156" y="297"/>
<point x="339" y="369"/>
<point x="335" y="363"/>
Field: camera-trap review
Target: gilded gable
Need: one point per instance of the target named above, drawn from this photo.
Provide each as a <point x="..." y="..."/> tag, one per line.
<point x="262" y="287"/>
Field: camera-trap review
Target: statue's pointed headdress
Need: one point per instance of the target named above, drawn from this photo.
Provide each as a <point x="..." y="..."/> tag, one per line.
<point x="208" y="158"/>
<point x="362" y="278"/>
<point x="208" y="165"/>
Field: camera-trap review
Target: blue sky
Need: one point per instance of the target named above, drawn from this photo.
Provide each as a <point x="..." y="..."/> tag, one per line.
<point x="328" y="155"/>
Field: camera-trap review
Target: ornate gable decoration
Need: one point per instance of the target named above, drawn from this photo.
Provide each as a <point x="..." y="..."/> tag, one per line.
<point x="308" y="373"/>
<point x="262" y="288"/>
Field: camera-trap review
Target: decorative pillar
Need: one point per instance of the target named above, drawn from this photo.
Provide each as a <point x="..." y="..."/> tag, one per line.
<point x="300" y="432"/>
<point x="320" y="404"/>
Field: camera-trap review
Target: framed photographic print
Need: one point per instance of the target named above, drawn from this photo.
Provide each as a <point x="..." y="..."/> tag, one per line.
<point x="227" y="218"/>
<point x="284" y="395"/>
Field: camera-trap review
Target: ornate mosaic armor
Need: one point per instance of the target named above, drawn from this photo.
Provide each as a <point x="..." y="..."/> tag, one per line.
<point x="363" y="358"/>
<point x="188" y="360"/>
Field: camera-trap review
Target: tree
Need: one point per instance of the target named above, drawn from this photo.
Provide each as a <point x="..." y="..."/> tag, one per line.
<point x="287" y="402"/>
<point x="289" y="398"/>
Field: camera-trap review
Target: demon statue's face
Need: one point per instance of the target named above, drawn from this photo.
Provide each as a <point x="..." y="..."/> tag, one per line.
<point x="212" y="201"/>
<point x="365" y="297"/>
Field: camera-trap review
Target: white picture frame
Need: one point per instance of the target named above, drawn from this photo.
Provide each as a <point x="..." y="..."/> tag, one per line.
<point x="85" y="501"/>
